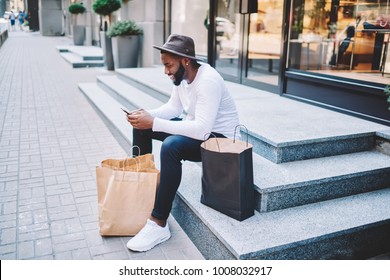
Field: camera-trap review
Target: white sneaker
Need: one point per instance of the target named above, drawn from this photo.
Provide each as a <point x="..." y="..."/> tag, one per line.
<point x="149" y="236"/>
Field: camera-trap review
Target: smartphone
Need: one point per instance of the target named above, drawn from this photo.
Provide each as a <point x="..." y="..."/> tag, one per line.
<point x="126" y="111"/>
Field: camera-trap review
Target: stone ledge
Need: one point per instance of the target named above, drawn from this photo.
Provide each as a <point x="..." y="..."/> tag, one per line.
<point x="322" y="230"/>
<point x="290" y="233"/>
<point x="78" y="62"/>
<point x="307" y="132"/>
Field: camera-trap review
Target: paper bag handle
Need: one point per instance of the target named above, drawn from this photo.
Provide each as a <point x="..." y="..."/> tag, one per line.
<point x="235" y="131"/>
<point x="216" y="139"/>
<point x="131" y="158"/>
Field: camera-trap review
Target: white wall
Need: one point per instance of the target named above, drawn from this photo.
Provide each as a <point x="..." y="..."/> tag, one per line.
<point x="149" y="14"/>
<point x="50" y="17"/>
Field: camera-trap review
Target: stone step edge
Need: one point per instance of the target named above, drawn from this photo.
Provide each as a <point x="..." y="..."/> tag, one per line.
<point x="123" y="73"/>
<point x="383" y="142"/>
<point x="122" y="91"/>
<point x="317" y="186"/>
<point x="224" y="218"/>
<point x="266" y="194"/>
<point x="149" y="89"/>
<point x="81" y="53"/>
<point x="76" y="63"/>
<point x="264" y="226"/>
<point x="279" y="152"/>
<point x="138" y="83"/>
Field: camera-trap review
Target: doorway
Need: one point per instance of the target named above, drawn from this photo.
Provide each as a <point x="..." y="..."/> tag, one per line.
<point x="249" y="46"/>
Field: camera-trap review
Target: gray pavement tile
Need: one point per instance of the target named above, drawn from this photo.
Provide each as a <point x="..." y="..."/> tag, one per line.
<point x="8" y="235"/>
<point x="34" y="235"/>
<point x="121" y="255"/>
<point x="26" y="250"/>
<point x="81" y="254"/>
<point x="43" y="247"/>
<point x="69" y="246"/>
<point x="51" y="140"/>
<point x="7" y="250"/>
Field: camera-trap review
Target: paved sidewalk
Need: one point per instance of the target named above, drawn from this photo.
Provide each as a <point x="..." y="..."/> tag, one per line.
<point x="51" y="140"/>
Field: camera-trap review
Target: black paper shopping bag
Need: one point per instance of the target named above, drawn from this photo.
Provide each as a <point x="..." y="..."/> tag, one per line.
<point x="227" y="177"/>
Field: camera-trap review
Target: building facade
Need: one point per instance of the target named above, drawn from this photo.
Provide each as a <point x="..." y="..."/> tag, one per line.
<point x="331" y="53"/>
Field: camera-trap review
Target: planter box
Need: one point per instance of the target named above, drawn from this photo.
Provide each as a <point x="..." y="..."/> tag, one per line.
<point x="78" y="35"/>
<point x="126" y="51"/>
<point x="106" y="44"/>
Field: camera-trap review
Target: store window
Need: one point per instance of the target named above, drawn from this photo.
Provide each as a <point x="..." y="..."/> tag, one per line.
<point x="249" y="45"/>
<point x="345" y="38"/>
<point x="188" y="18"/>
<point x="265" y="42"/>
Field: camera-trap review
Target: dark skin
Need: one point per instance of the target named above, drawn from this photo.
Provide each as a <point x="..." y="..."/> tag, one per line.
<point x="141" y="119"/>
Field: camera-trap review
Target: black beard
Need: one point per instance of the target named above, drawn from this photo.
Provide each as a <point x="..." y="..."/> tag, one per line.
<point x="178" y="77"/>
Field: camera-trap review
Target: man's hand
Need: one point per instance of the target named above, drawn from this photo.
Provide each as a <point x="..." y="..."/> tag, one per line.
<point x="140" y="119"/>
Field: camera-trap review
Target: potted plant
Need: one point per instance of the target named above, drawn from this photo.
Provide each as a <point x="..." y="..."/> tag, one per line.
<point x="78" y="30"/>
<point x="105" y="8"/>
<point x="126" y="41"/>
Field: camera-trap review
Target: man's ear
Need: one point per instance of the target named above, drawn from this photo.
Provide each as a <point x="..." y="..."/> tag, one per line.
<point x="185" y="61"/>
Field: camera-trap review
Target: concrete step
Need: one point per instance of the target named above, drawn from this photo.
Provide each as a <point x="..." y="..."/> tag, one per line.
<point x="84" y="52"/>
<point x="290" y="184"/>
<point x="383" y="141"/>
<point x="131" y="97"/>
<point x="353" y="227"/>
<point x="330" y="229"/>
<point x="158" y="88"/>
<point x="108" y="107"/>
<point x="78" y="62"/>
<point x="280" y="129"/>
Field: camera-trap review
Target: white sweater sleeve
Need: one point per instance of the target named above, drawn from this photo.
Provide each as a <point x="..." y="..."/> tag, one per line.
<point x="173" y="108"/>
<point x="208" y="97"/>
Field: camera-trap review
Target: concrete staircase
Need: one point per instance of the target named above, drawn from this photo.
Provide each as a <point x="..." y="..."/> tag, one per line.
<point x="82" y="56"/>
<point x="322" y="179"/>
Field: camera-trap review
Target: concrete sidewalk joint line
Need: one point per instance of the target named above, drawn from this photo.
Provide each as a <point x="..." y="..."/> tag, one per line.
<point x="51" y="140"/>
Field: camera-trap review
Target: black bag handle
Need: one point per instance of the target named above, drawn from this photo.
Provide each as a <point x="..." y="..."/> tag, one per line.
<point x="134" y="146"/>
<point x="235" y="131"/>
<point x="216" y="139"/>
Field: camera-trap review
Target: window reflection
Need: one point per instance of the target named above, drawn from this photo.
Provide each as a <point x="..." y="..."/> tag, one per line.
<point x="188" y="18"/>
<point x="265" y="41"/>
<point x="340" y="36"/>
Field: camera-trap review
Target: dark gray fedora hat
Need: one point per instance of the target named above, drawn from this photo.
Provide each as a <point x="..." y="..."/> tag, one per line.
<point x="180" y="45"/>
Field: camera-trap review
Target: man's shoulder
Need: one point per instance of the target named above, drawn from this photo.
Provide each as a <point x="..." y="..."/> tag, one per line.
<point x="209" y="71"/>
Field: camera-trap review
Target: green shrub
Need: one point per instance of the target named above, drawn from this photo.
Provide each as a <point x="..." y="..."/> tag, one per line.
<point x="106" y="7"/>
<point x="76" y="8"/>
<point x="123" y="28"/>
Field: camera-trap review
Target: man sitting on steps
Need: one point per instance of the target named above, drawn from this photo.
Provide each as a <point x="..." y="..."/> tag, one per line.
<point x="200" y="94"/>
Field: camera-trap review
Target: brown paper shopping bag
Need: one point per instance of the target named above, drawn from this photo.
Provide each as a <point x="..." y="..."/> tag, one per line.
<point x="126" y="192"/>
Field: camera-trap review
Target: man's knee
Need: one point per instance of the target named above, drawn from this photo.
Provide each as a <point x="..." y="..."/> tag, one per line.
<point x="173" y="146"/>
<point x="181" y="148"/>
<point x="171" y="143"/>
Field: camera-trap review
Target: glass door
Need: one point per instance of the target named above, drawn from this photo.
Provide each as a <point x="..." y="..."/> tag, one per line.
<point x="265" y="44"/>
<point x="249" y="46"/>
<point x="228" y="40"/>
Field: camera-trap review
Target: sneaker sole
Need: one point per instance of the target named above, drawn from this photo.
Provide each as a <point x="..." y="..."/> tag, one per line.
<point x="144" y="249"/>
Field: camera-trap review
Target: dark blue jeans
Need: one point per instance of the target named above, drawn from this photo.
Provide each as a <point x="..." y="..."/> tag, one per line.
<point x="174" y="149"/>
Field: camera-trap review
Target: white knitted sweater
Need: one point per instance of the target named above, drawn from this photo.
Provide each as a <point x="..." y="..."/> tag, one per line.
<point x="206" y="104"/>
